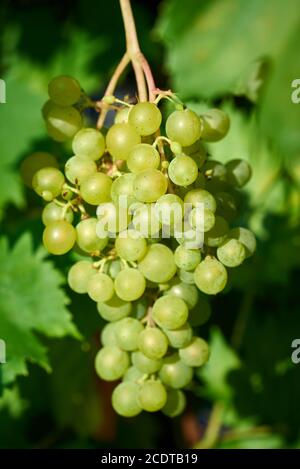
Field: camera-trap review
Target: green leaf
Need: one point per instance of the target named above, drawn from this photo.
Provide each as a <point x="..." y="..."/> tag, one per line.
<point x="31" y="300"/>
<point x="223" y="360"/>
<point x="13" y="402"/>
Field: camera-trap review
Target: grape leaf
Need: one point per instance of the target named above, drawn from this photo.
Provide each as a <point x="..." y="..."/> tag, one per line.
<point x="31" y="300"/>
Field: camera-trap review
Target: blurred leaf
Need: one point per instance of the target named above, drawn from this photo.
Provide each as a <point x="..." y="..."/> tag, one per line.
<point x="31" y="299"/>
<point x="252" y="441"/>
<point x="13" y="402"/>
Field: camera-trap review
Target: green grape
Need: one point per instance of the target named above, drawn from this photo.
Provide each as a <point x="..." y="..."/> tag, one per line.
<point x="53" y="212"/>
<point x="201" y="313"/>
<point x="133" y="374"/>
<point x="131" y="246"/>
<point x="122" y="190"/>
<point x="180" y="337"/>
<point x="100" y="287"/>
<point x="64" y="90"/>
<point x="169" y="209"/>
<point x="87" y="238"/>
<point x="111" y="218"/>
<point x="79" y="276"/>
<point x="186" y="259"/>
<point x="238" y="172"/>
<point x="113" y="268"/>
<point x="175" y="373"/>
<point x="33" y="163"/>
<point x="216" y="236"/>
<point x="63" y="122"/>
<point x="246" y="237"/>
<point x="77" y="169"/>
<point x="226" y="205"/>
<point x="125" y="399"/>
<point x="130" y="284"/>
<point x="120" y="140"/>
<point x="140" y="307"/>
<point x="184" y="127"/>
<point x="210" y="276"/>
<point x="185" y="291"/>
<point x="201" y="196"/>
<point x="128" y="331"/>
<point x="183" y="170"/>
<point x="152" y="395"/>
<point x="111" y="363"/>
<point x="170" y="312"/>
<point x="194" y="148"/>
<point x="215" y="125"/>
<point x="202" y="219"/>
<point x="149" y="185"/>
<point x="121" y="116"/>
<point x="176" y="403"/>
<point x="89" y="143"/>
<point x="46" y="108"/>
<point x="231" y="253"/>
<point x="196" y="353"/>
<point x="158" y="255"/>
<point x="95" y="189"/>
<point x="153" y="343"/>
<point x="145" y="221"/>
<point x="186" y="276"/>
<point x="59" y="237"/>
<point x="215" y="170"/>
<point x="142" y="157"/>
<point x="144" y="364"/>
<point x="114" y="309"/>
<point x="48" y="183"/>
<point x="108" y="335"/>
<point x="145" y="118"/>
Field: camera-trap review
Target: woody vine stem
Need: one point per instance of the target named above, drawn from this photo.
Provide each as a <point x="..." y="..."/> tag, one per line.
<point x="144" y="79"/>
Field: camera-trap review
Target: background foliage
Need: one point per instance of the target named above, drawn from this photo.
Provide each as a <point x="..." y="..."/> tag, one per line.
<point x="239" y="55"/>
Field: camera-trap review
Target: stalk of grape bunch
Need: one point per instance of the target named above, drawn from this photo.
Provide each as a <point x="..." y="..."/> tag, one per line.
<point x="152" y="218"/>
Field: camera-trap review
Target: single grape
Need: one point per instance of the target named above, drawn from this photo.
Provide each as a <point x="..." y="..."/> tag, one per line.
<point x="114" y="309"/>
<point x="158" y="264"/>
<point x="131" y="246"/>
<point x="176" y="403"/>
<point x="152" y="395"/>
<point x="120" y="140"/>
<point x="128" y="331"/>
<point x="175" y="373"/>
<point x="122" y="190"/>
<point x="87" y="238"/>
<point x="215" y="125"/>
<point x="170" y="312"/>
<point x="133" y="374"/>
<point x="95" y="189"/>
<point x="180" y="337"/>
<point x="59" y="237"/>
<point x="53" y="212"/>
<point x="113" y="267"/>
<point x="153" y="343"/>
<point x="238" y="172"/>
<point x="231" y="253"/>
<point x="77" y="169"/>
<point x="210" y="276"/>
<point x="111" y="363"/>
<point x="145" y="118"/>
<point x="183" y="170"/>
<point x="187" y="276"/>
<point x="201" y="313"/>
<point x="130" y="284"/>
<point x="125" y="399"/>
<point x="149" y="185"/>
<point x="63" y="122"/>
<point x="185" y="291"/>
<point x="246" y="237"/>
<point x="169" y="209"/>
<point x="121" y="116"/>
<point x="100" y="287"/>
<point x="33" y="163"/>
<point x="201" y="196"/>
<point x="196" y="353"/>
<point x="64" y="90"/>
<point x="202" y="219"/>
<point x="48" y="183"/>
<point x="184" y="127"/>
<point x="144" y="364"/>
<point x="142" y="157"/>
<point x="145" y="221"/>
<point x="108" y="335"/>
<point x="187" y="259"/>
<point x="89" y="143"/>
<point x="215" y="170"/>
<point x="79" y="276"/>
<point x="217" y="235"/>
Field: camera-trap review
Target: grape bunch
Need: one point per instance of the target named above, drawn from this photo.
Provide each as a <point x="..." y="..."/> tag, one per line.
<point x="148" y="212"/>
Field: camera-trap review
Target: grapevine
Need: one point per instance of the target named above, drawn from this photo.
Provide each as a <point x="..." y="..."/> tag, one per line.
<point x="153" y="218"/>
